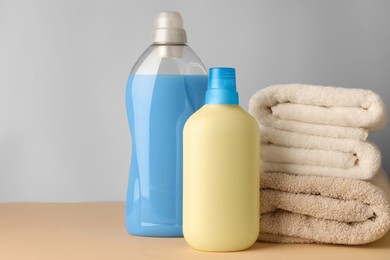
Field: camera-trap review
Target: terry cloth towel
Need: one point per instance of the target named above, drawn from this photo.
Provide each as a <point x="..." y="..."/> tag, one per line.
<point x="317" y="110"/>
<point x="290" y="152"/>
<point x="312" y="209"/>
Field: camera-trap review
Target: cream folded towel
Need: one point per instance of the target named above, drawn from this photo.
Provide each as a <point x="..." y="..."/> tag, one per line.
<point x="290" y="152"/>
<point x="316" y="110"/>
<point x="312" y="209"/>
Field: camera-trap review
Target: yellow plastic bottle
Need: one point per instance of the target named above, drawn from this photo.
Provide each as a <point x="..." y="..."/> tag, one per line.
<point x="221" y="170"/>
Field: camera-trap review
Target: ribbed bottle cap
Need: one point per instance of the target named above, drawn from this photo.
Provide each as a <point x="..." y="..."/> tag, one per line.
<point x="168" y="29"/>
<point x="222" y="86"/>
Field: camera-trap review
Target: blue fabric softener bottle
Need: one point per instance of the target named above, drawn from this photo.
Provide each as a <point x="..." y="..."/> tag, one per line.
<point x="165" y="87"/>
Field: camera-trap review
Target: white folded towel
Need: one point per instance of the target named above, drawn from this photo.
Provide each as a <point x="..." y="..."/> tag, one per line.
<point x="316" y="110"/>
<point x="296" y="153"/>
<point x="312" y="209"/>
<point x="313" y="129"/>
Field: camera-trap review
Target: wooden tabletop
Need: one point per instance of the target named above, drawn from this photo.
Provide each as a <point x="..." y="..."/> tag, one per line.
<point x="96" y="231"/>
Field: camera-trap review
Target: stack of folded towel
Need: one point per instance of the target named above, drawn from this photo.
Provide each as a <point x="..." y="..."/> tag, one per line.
<point x="321" y="179"/>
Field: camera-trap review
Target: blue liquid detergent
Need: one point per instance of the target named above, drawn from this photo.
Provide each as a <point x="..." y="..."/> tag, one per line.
<point x="158" y="107"/>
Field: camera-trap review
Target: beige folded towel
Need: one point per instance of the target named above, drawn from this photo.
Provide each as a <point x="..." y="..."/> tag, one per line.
<point x="312" y="209"/>
<point x="316" y="110"/>
<point x="290" y="152"/>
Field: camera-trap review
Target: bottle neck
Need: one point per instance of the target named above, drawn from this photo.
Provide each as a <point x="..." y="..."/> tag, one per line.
<point x="169" y="44"/>
<point x="170" y="51"/>
<point x="221" y="96"/>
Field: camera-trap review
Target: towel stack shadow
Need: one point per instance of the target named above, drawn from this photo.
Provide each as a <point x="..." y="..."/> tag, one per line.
<point x="321" y="180"/>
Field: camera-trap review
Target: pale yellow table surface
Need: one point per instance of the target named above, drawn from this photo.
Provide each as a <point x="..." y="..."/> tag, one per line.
<point x="97" y="231"/>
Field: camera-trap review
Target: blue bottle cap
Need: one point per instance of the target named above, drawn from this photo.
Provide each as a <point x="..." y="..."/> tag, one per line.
<point x="222" y="86"/>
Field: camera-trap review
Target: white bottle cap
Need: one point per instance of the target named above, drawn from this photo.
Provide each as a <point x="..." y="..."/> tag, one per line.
<point x="168" y="29"/>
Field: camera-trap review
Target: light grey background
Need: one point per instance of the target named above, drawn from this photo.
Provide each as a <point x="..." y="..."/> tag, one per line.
<point x="64" y="65"/>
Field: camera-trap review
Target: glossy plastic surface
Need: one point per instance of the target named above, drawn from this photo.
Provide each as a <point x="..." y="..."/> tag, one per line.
<point x="165" y="87"/>
<point x="222" y="86"/>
